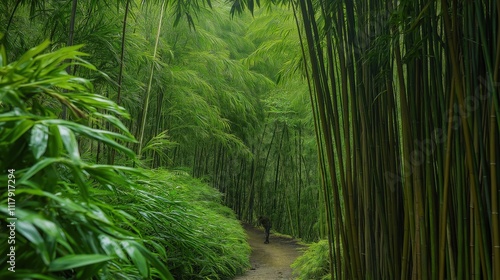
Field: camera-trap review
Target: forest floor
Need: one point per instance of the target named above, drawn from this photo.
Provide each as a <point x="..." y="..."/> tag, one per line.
<point x="273" y="260"/>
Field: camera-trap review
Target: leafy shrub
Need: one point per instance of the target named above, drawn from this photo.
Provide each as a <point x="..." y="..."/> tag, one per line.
<point x="314" y="263"/>
<point x="63" y="230"/>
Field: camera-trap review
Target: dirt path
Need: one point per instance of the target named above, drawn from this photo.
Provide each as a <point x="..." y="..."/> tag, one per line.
<point x="273" y="260"/>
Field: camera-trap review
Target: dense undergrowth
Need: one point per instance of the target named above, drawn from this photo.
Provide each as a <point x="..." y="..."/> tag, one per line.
<point x="70" y="218"/>
<point x="186" y="215"/>
<point x="314" y="263"/>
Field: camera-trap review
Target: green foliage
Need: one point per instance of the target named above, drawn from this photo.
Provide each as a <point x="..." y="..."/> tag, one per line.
<point x="203" y="239"/>
<point x="62" y="229"/>
<point x="227" y="99"/>
<point x="78" y="219"/>
<point x="314" y="263"/>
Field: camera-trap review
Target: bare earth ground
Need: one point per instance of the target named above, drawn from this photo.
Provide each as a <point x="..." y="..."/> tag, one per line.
<point x="270" y="261"/>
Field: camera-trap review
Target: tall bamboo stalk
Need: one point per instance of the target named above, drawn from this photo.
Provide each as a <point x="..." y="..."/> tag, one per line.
<point x="120" y="72"/>
<point x="145" y="106"/>
<point x="438" y="153"/>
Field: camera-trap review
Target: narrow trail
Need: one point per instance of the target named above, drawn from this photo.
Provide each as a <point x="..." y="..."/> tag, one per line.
<point x="270" y="261"/>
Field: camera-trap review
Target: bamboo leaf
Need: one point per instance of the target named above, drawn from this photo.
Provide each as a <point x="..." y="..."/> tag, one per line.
<point x="74" y="261"/>
<point x="21" y="127"/>
<point x="30" y="54"/>
<point x="116" y="122"/>
<point x="37" y="167"/>
<point x="96" y="134"/>
<point x="55" y="144"/>
<point x="29" y="231"/>
<point x="3" y="56"/>
<point x="38" y="141"/>
<point x="69" y="140"/>
<point x="111" y="247"/>
<point x="136" y="256"/>
<point x="156" y="263"/>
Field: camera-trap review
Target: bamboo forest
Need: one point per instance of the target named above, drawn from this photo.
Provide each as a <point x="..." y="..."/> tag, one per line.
<point x="249" y="139"/>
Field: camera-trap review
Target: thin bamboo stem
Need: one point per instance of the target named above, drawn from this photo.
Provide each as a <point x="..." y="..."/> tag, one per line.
<point x="145" y="106"/>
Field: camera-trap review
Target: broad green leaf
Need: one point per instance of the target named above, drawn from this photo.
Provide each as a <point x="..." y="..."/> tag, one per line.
<point x="127" y="219"/>
<point x="80" y="180"/>
<point x="15" y="115"/>
<point x="69" y="141"/>
<point x="116" y="122"/>
<point x="55" y="142"/>
<point x="20" y="128"/>
<point x="165" y="274"/>
<point x="107" y="168"/>
<point x="37" y="167"/>
<point x="82" y="62"/>
<point x="29" y="231"/>
<point x="3" y="56"/>
<point x="111" y="247"/>
<point x="97" y="134"/>
<point x="82" y="83"/>
<point x="53" y="60"/>
<point x="108" y="174"/>
<point x="31" y="53"/>
<point x="74" y="261"/>
<point x="69" y="204"/>
<point x="24" y="274"/>
<point x="59" y="81"/>
<point x="98" y="101"/>
<point x="97" y="214"/>
<point x="12" y="116"/>
<point x="137" y="257"/>
<point x="53" y="235"/>
<point x="38" y="141"/>
<point x="158" y="247"/>
<point x="47" y="226"/>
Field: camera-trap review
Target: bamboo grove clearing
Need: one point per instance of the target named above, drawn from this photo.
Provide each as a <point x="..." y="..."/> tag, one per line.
<point x="366" y="128"/>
